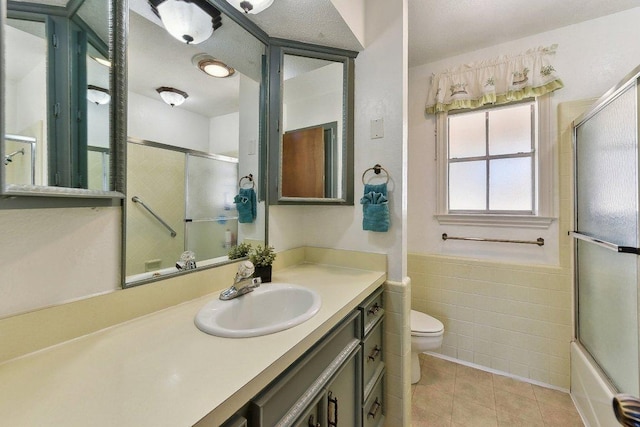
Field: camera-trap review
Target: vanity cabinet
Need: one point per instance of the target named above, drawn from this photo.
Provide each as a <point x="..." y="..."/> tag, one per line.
<point x="336" y="383"/>
<point x="372" y="312"/>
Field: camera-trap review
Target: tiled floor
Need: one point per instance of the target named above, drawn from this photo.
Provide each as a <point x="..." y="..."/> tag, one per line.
<point x="454" y="395"/>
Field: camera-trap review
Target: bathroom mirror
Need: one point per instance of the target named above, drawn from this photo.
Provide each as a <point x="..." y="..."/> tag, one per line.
<point x="56" y="126"/>
<point x="311" y="146"/>
<point x="194" y="141"/>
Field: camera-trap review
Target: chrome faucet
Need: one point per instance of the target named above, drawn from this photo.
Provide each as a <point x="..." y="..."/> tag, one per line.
<point x="243" y="282"/>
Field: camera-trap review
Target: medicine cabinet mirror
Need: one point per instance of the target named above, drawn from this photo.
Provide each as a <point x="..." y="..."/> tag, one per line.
<point x="58" y="99"/>
<point x="194" y="140"/>
<point x="311" y="144"/>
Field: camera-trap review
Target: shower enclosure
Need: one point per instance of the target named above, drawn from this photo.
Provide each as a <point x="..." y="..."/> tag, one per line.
<point x="184" y="201"/>
<point x="20" y="159"/>
<point x="607" y="237"/>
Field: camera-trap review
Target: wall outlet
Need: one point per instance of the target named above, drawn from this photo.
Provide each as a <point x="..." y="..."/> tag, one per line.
<point x="152" y="265"/>
<point x="252" y="147"/>
<point x="377" y="128"/>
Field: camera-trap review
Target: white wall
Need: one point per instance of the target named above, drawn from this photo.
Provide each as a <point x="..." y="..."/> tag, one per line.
<point x="380" y="92"/>
<point x="591" y="57"/>
<point x="153" y="120"/>
<point x="223" y="134"/>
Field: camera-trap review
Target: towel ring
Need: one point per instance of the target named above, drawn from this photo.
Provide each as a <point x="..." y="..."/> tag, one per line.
<point x="376" y="169"/>
<point x="250" y="178"/>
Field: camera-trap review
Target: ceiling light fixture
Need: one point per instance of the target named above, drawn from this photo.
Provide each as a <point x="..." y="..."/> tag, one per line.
<point x="251" y="6"/>
<point x="211" y="66"/>
<point x="190" y="21"/>
<point x="98" y="95"/>
<point x="172" y="96"/>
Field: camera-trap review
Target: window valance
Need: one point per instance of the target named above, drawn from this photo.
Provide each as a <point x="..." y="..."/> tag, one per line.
<point x="497" y="81"/>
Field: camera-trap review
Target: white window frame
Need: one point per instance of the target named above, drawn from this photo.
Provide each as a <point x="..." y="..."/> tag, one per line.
<point x="542" y="217"/>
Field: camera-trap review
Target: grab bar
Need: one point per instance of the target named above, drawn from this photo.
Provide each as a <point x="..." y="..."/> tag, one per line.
<point x="539" y="241"/>
<point x="136" y="199"/>
<point x="605" y="244"/>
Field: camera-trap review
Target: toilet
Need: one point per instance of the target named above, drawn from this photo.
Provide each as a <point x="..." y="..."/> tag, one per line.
<point x="426" y="334"/>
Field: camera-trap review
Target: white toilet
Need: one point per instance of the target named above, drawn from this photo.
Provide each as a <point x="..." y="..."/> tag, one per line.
<point x="426" y="334"/>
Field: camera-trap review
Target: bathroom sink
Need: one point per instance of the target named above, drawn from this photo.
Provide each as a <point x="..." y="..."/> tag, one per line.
<point x="272" y="307"/>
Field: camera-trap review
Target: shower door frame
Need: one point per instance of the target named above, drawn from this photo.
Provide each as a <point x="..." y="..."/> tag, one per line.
<point x="631" y="79"/>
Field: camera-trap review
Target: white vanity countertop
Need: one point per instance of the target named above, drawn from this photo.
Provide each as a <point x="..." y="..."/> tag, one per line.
<point x="160" y="370"/>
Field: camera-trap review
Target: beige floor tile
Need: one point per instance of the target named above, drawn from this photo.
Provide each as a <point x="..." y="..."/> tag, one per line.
<point x="558" y="416"/>
<point x="511" y="385"/>
<point x="469" y="414"/>
<point x="516" y="409"/>
<point x="437" y="378"/>
<point x="480" y="392"/>
<point x="431" y="362"/>
<point x="476" y="374"/>
<point x="423" y="418"/>
<point x="433" y="400"/>
<point x="551" y="396"/>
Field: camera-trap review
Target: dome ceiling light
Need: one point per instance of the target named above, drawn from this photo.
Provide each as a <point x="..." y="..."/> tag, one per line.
<point x="172" y="96"/>
<point x="211" y="66"/>
<point x="250" y="6"/>
<point x="190" y="21"/>
<point x="98" y="95"/>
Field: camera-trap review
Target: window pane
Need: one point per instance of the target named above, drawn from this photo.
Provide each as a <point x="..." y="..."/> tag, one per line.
<point x="467" y="136"/>
<point x="467" y="185"/>
<point x="510" y="184"/>
<point x="510" y="130"/>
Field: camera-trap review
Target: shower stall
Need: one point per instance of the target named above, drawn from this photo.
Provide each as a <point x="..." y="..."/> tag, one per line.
<point x="183" y="202"/>
<point x="20" y="159"/>
<point x="605" y="357"/>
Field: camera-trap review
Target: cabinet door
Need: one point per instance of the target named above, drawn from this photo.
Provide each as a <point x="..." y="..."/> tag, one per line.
<point x="344" y="394"/>
<point x="314" y="416"/>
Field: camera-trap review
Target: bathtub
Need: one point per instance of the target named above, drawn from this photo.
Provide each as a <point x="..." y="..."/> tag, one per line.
<point x="590" y="390"/>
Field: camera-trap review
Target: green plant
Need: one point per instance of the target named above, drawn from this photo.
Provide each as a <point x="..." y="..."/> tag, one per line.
<point x="239" y="251"/>
<point x="262" y="256"/>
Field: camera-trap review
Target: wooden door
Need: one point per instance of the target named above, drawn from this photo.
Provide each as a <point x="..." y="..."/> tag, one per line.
<point x="303" y="163"/>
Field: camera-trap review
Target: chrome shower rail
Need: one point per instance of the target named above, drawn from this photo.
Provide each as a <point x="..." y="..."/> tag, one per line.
<point x="539" y="241"/>
<point x="136" y="199"/>
<point x="605" y="244"/>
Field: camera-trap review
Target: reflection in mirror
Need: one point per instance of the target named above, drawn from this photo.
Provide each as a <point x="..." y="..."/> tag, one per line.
<point x="314" y="148"/>
<point x="190" y="146"/>
<point x="48" y="94"/>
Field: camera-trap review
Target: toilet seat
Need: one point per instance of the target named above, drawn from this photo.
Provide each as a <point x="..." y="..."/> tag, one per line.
<point x="423" y="325"/>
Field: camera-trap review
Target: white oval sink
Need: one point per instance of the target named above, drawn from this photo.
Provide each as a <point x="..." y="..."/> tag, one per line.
<point x="272" y="307"/>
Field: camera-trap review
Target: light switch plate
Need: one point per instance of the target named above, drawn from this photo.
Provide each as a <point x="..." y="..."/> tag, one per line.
<point x="377" y="128"/>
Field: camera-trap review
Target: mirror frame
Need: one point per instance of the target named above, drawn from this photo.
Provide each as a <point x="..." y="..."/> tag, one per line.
<point x="23" y="196"/>
<point x="239" y="18"/>
<point x="279" y="48"/>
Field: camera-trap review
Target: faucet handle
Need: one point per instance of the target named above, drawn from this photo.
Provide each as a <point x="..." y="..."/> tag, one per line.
<point x="245" y="270"/>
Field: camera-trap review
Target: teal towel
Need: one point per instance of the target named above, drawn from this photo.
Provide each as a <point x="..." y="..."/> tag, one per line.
<point x="246" y="204"/>
<point x="375" y="208"/>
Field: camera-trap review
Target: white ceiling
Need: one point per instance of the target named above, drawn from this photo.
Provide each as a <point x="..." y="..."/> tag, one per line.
<point x="442" y="28"/>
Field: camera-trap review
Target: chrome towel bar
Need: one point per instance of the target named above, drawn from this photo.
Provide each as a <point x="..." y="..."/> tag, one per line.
<point x="136" y="199"/>
<point x="539" y="241"/>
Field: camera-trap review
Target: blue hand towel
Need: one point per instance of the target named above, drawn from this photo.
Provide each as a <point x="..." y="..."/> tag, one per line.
<point x="375" y="208"/>
<point x="246" y="204"/>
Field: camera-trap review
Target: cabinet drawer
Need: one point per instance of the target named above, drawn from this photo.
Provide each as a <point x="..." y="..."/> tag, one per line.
<point x="278" y="403"/>
<point x="372" y="311"/>
<point x="373" y="409"/>
<point x="373" y="363"/>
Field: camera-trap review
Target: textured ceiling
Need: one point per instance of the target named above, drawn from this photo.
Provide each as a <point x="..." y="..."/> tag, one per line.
<point x="444" y="28"/>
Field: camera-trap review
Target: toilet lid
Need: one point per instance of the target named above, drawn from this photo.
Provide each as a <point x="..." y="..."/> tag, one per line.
<point x="423" y="325"/>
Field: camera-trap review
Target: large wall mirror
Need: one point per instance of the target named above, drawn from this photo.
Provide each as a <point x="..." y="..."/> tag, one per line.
<point x="57" y="102"/>
<point x="195" y="109"/>
<point x="311" y="145"/>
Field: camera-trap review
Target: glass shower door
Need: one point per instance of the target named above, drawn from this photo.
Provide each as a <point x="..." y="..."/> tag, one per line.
<point x="211" y="223"/>
<point x="607" y="237"/>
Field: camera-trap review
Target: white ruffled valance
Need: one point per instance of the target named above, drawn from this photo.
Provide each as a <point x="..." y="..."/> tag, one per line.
<point x="498" y="81"/>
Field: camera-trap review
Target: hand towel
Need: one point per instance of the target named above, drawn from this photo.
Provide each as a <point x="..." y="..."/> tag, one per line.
<point x="246" y="204"/>
<point x="375" y="208"/>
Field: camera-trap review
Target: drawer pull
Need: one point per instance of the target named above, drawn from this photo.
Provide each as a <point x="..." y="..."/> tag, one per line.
<point x="375" y="309"/>
<point x="312" y="422"/>
<point x="374" y="409"/>
<point x="374" y="353"/>
<point x="332" y="415"/>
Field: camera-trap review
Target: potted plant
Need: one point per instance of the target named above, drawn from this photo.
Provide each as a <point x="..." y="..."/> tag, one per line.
<point x="239" y="251"/>
<point x="262" y="258"/>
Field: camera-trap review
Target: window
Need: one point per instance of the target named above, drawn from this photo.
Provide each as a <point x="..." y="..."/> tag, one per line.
<point x="491" y="167"/>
